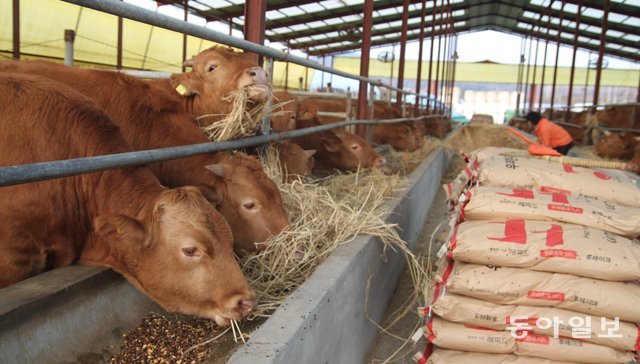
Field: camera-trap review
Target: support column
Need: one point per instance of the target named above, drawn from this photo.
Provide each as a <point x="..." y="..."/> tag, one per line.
<point x="603" y="41"/>
<point x="16" y="29"/>
<point x="576" y="33"/>
<point x="119" y="46"/>
<point x="435" y="91"/>
<point x="184" y="36"/>
<point x="367" y="24"/>
<point x="555" y="67"/>
<point x="419" y="75"/>
<point x="403" y="49"/>
<point x="254" y="15"/>
<point x="433" y="37"/>
<point x="526" y="82"/>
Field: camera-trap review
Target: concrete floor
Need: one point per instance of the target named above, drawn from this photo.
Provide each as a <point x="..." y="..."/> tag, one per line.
<point x="391" y="346"/>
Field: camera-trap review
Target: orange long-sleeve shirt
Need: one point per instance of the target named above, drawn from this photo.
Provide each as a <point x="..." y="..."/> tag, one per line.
<point x="552" y="134"/>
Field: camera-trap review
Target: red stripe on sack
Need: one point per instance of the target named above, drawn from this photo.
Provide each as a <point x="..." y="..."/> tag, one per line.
<point x="467" y="171"/>
<point x="436" y="293"/>
<point x="534" y="339"/>
<point x="525" y="194"/>
<point x="544" y="295"/>
<point x="453" y="243"/>
<point x="565" y="208"/>
<point x="559" y="253"/>
<point x="514" y="232"/>
<point x="432" y="335"/>
<point x="637" y="339"/>
<point x="427" y="352"/>
<point x="531" y="321"/>
<point x="554" y="190"/>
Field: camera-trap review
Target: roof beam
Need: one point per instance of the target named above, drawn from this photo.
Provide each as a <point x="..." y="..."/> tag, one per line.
<point x="234" y="11"/>
<point x="333" y="13"/>
<point x="623" y="9"/>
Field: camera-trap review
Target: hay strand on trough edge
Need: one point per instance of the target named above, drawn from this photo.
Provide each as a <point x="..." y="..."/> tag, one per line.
<point x="241" y="121"/>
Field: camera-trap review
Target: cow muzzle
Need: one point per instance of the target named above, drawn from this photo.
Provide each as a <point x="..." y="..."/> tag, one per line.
<point x="257" y="84"/>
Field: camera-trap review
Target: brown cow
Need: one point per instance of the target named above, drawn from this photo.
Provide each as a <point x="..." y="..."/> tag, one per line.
<point x="335" y="149"/>
<point x="153" y="115"/>
<point x="170" y="244"/>
<point x="283" y="113"/>
<point x="618" y="146"/>
<point x="616" y="117"/>
<point x="294" y="161"/>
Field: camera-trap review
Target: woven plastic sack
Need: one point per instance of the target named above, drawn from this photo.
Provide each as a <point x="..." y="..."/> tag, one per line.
<point x="531" y="288"/>
<point x="490" y="203"/>
<point x="449" y="335"/>
<point x="548" y="321"/>
<point x="547" y="246"/>
<point x="443" y="356"/>
<point x="603" y="184"/>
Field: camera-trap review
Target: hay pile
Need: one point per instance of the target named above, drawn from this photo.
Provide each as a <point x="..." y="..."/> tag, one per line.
<point x="243" y="120"/>
<point x="472" y="137"/>
<point x="406" y="162"/>
<point x="323" y="215"/>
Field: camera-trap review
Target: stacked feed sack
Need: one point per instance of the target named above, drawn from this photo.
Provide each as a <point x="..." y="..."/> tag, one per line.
<point x="538" y="268"/>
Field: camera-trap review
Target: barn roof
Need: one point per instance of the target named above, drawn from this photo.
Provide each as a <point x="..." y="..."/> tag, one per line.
<point x="334" y="26"/>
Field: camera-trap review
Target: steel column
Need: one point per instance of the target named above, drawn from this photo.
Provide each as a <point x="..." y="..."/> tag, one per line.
<point x="433" y="38"/>
<point x="69" y="39"/>
<point x="254" y="15"/>
<point x="403" y="49"/>
<point x="573" y="60"/>
<point x="533" y="80"/>
<point x="523" y="46"/>
<point x="16" y="29"/>
<point x="526" y="83"/>
<point x="555" y="67"/>
<point x="586" y="79"/>
<point x="435" y="91"/>
<point x="419" y="75"/>
<point x="184" y="36"/>
<point x="603" y="40"/>
<point x="119" y="46"/>
<point x="367" y="25"/>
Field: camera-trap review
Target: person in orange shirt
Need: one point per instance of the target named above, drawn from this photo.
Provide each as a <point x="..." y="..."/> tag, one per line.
<point x="550" y="133"/>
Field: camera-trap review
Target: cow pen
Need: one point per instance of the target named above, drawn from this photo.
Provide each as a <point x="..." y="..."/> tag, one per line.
<point x="80" y="314"/>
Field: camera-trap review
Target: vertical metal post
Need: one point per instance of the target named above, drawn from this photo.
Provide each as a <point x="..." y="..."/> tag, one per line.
<point x="69" y="38"/>
<point x="573" y="60"/>
<point x="286" y="70"/>
<point x="637" y="121"/>
<point x="535" y="69"/>
<point x="520" y="74"/>
<point x="16" y="29"/>
<point x="445" y="58"/>
<point x="586" y="80"/>
<point x="435" y="91"/>
<point x="266" y="121"/>
<point x="419" y="75"/>
<point x="322" y="76"/>
<point x="230" y="25"/>
<point x="526" y="82"/>
<point x="544" y="60"/>
<point x="119" y="46"/>
<point x="370" y="114"/>
<point x="603" y="41"/>
<point x="433" y="37"/>
<point x="453" y="71"/>
<point x="403" y="49"/>
<point x="365" y="53"/>
<point x="306" y="74"/>
<point x="255" y="11"/>
<point x="555" y="67"/>
<point x="184" y="36"/>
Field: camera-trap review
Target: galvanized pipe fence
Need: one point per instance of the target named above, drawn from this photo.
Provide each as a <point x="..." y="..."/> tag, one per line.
<point x="12" y="175"/>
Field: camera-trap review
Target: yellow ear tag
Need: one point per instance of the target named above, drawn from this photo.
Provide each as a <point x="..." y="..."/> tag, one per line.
<point x="181" y="89"/>
<point x="119" y="230"/>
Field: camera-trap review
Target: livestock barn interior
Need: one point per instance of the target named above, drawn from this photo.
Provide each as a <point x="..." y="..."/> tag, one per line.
<point x="335" y="181"/>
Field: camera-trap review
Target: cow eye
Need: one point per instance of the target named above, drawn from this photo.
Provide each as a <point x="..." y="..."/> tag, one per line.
<point x="249" y="205"/>
<point x="190" y="251"/>
<point x="212" y="68"/>
<point x="355" y="147"/>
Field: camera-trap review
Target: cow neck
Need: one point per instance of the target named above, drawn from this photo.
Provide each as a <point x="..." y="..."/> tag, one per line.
<point x="187" y="102"/>
<point x="130" y="191"/>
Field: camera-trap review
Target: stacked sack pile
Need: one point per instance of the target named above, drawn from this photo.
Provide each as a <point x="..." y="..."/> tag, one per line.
<point x="541" y="265"/>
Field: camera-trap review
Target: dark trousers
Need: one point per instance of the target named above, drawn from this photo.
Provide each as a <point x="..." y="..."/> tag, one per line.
<point x="564" y="149"/>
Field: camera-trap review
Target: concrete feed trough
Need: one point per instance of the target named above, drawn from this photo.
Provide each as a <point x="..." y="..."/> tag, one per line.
<point x="78" y="313"/>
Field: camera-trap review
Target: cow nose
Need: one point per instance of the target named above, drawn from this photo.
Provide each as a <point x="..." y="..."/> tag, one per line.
<point x="379" y="162"/>
<point x="244" y="303"/>
<point x="258" y="75"/>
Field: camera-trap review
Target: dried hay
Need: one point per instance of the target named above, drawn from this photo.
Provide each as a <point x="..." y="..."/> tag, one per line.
<point x="406" y="162"/>
<point x="242" y="121"/>
<point x="324" y="215"/>
<point x="471" y="137"/>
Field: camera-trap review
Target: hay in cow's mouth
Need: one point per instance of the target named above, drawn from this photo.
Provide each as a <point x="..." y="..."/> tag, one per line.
<point x="244" y="119"/>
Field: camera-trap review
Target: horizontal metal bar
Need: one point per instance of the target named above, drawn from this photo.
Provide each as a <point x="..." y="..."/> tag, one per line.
<point x="336" y="114"/>
<point x="129" y="11"/>
<point x="599" y="105"/>
<point x="146" y="74"/>
<point x="578" y="126"/>
<point x="321" y="95"/>
<point x="25" y="173"/>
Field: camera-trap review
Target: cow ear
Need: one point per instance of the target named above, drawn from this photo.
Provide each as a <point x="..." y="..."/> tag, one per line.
<point x="217" y="169"/>
<point x="121" y="231"/>
<point x="330" y="146"/>
<point x="188" y="63"/>
<point x="187" y="84"/>
<point x="212" y="194"/>
<point x="310" y="152"/>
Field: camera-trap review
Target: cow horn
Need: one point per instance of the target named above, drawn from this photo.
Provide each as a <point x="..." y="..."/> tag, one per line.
<point x="217" y="169"/>
<point x="310" y="152"/>
<point x="188" y="63"/>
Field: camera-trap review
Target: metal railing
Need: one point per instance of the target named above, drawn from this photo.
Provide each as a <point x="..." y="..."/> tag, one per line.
<point x="13" y="175"/>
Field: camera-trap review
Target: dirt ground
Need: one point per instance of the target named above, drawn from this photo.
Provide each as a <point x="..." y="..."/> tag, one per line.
<point x="395" y="346"/>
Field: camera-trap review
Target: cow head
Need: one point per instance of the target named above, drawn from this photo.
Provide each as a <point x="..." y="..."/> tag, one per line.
<point x="401" y="136"/>
<point x="180" y="254"/>
<point x="216" y="73"/>
<point x="251" y="202"/>
<point x="340" y="149"/>
<point x="295" y="161"/>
